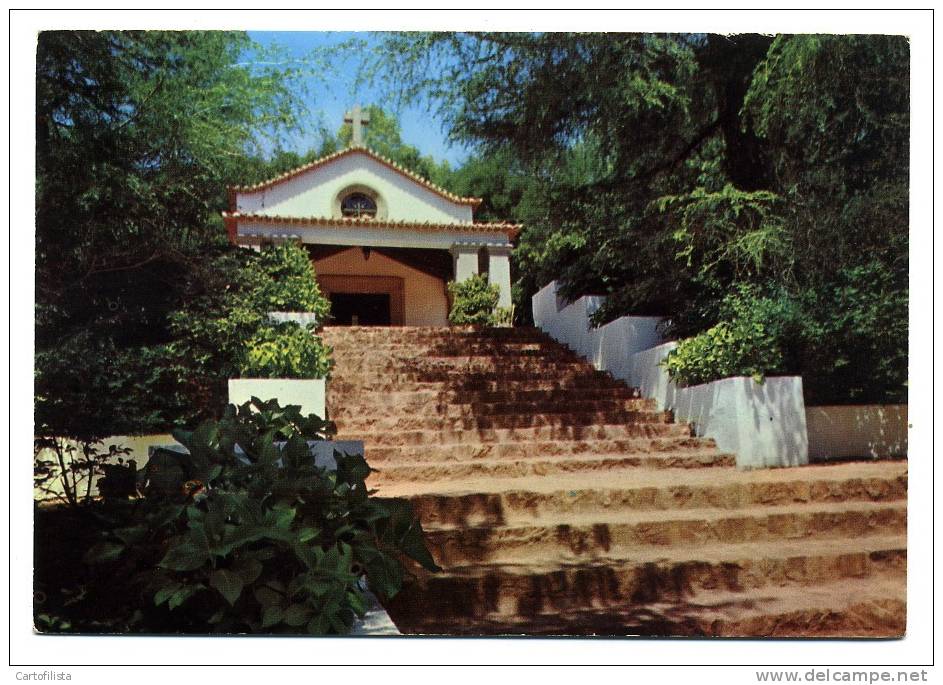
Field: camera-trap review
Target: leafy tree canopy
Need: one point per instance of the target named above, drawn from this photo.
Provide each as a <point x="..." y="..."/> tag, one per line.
<point x="138" y="134"/>
<point x="667" y="170"/>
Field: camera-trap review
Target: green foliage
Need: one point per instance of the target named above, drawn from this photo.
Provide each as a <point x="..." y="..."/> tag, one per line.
<point x="245" y="533"/>
<point x="853" y="338"/>
<point x="667" y="171"/>
<point x="229" y="334"/>
<point x="285" y="282"/>
<point x="137" y="135"/>
<point x="285" y="350"/>
<point x="65" y="470"/>
<point x="749" y="342"/>
<point x="475" y="302"/>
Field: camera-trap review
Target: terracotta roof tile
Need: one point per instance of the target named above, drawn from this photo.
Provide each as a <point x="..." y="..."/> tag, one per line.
<point x="509" y="230"/>
<point x="429" y="185"/>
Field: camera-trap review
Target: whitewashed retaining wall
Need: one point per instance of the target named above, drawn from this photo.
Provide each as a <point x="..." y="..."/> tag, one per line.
<point x="608" y="347"/>
<point x="307" y="392"/>
<point x="841" y="432"/>
<point x="764" y="424"/>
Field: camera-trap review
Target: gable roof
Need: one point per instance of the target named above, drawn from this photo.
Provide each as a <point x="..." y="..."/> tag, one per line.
<point x="416" y="178"/>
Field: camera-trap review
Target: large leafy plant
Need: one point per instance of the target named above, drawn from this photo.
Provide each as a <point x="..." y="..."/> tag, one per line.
<point x="285" y="282"/>
<point x="247" y="533"/>
<point x="286" y="350"/>
<point x="475" y="302"/>
<point x="751" y="340"/>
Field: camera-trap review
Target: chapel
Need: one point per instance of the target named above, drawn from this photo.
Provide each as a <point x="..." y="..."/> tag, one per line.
<point x="384" y="241"/>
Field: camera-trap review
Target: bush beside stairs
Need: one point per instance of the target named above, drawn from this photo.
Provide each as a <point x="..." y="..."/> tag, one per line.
<point x="559" y="502"/>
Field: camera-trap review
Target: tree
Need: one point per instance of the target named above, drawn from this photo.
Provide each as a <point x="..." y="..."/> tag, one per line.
<point x="138" y="134"/>
<point x="671" y="169"/>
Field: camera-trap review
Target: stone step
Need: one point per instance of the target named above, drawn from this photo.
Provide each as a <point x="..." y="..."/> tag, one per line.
<point x="365" y="421"/>
<point x="374" y="334"/>
<point x="741" y="578"/>
<point x="481" y="436"/>
<point x="619" y="535"/>
<point x="378" y="455"/>
<point x="575" y="387"/>
<point x="525" y="500"/>
<point x="426" y="407"/>
<point x="457" y="366"/>
<point x="453" y="348"/>
<point x="355" y="399"/>
<point x="425" y="471"/>
<point x="575" y="378"/>
<point x="870" y="607"/>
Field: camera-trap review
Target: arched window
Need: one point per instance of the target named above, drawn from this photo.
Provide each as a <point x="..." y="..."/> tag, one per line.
<point x="358" y="205"/>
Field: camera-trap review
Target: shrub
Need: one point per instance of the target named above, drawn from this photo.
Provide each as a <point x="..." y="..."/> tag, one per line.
<point x="247" y="534"/>
<point x="285" y="350"/>
<point x="853" y="337"/>
<point x="474" y="301"/>
<point x="749" y="342"/>
<point x="285" y="282"/>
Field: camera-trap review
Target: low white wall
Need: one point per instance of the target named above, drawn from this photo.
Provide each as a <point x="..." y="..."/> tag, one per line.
<point x="608" y="347"/>
<point x="140" y="446"/>
<point x="301" y="318"/>
<point x="307" y="392"/>
<point x="841" y="432"/>
<point x="764" y="424"/>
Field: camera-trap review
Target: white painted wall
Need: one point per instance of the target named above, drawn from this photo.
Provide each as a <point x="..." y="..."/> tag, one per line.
<point x="426" y="301"/>
<point x="841" y="432"/>
<point x="763" y="424"/>
<point x="139" y="445"/>
<point x="609" y="347"/>
<point x="307" y="392"/>
<point x="312" y="193"/>
<point x="499" y="273"/>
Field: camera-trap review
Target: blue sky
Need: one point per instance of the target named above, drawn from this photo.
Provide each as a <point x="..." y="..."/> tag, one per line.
<point x="330" y="94"/>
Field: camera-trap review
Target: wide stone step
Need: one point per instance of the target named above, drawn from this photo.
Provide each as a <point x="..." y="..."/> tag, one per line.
<point x="383" y="438"/>
<point x="576" y="387"/>
<point x="430" y="407"/>
<point x="366" y="421"/>
<point x="357" y="399"/>
<point x="570" y="439"/>
<point x="371" y="334"/>
<point x="524" y="500"/>
<point x="744" y="574"/>
<point x="456" y="379"/>
<point x="620" y="534"/>
<point x="873" y="606"/>
<point x="378" y="455"/>
<point x="602" y="465"/>
<point x="478" y="366"/>
<point x="400" y="352"/>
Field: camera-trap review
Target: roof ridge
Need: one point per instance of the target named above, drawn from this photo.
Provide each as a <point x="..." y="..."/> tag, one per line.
<point x="291" y="173"/>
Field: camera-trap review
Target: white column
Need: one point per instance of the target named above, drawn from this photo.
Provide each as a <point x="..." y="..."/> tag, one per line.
<point x="464" y="261"/>
<point x="499" y="272"/>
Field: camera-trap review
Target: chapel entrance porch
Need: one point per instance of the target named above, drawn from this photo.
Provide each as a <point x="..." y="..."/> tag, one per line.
<point x="383" y="286"/>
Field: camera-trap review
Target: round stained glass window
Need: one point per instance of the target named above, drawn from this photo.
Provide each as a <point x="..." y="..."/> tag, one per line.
<point x="358" y="205"/>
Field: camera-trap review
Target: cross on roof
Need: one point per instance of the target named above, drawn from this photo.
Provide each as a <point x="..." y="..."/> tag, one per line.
<point x="357" y="118"/>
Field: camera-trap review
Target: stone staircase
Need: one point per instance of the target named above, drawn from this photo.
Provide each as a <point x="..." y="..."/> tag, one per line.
<point x="559" y="502"/>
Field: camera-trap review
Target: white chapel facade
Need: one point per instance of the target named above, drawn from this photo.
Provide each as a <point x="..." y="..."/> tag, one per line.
<point x="384" y="241"/>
